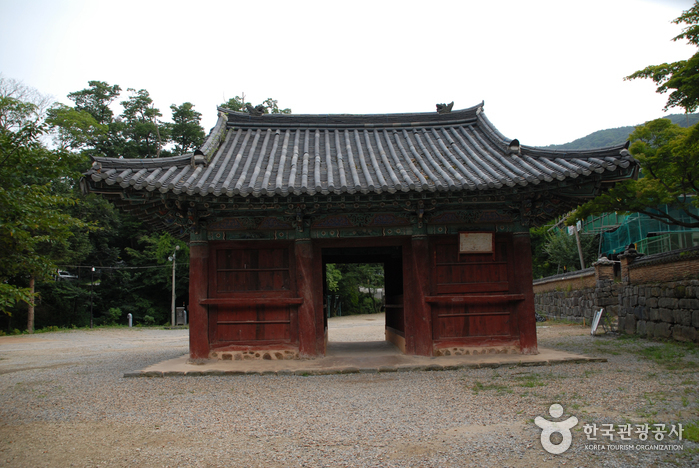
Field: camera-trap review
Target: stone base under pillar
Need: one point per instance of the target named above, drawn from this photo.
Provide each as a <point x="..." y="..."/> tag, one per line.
<point x="475" y="350"/>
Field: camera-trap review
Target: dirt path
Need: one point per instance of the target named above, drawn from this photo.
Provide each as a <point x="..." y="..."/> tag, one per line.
<point x="63" y="402"/>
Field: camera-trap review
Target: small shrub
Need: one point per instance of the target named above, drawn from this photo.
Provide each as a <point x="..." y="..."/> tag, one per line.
<point x="16" y="332"/>
<point x="2" y="333"/>
<point x="691" y="431"/>
<point x="113" y="316"/>
<point x="148" y="320"/>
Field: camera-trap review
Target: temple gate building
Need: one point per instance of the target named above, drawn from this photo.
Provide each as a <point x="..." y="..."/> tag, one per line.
<point x="442" y="199"/>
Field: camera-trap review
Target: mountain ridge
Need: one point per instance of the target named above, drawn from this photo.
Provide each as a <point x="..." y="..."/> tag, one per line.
<point x="619" y="135"/>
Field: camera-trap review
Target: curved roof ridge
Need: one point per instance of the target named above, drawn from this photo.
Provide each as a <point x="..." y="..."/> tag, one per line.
<point x="492" y="130"/>
<point x="404" y="119"/>
<point x="164" y="161"/>
<point x="615" y="150"/>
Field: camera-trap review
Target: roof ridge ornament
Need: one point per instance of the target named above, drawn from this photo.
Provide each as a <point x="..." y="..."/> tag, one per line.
<point x="514" y="147"/>
<point x="199" y="158"/>
<point x="256" y="111"/>
<point x="445" y="108"/>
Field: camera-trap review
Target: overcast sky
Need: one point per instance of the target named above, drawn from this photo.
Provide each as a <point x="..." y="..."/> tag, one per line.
<point x="548" y="71"/>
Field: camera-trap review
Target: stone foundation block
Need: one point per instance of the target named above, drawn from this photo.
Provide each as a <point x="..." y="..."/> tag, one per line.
<point x="641" y="327"/>
<point x="650" y="329"/>
<point x="666" y="315"/>
<point x="662" y="330"/>
<point x="267" y="355"/>
<point x="683" y="317"/>
<point x="630" y="324"/>
<point x="667" y="303"/>
<point x="466" y="351"/>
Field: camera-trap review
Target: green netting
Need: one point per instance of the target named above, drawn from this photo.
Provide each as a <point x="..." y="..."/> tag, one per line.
<point x="602" y="223"/>
<point x="649" y="235"/>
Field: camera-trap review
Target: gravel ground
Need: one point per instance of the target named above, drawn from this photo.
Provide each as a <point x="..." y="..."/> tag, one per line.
<point x="64" y="402"/>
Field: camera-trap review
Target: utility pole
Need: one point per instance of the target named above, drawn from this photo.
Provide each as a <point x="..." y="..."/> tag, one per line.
<point x="580" y="252"/>
<point x="92" y="285"/>
<point x="173" y="259"/>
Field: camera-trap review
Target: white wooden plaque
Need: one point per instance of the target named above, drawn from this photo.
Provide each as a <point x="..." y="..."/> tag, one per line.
<point x="475" y="242"/>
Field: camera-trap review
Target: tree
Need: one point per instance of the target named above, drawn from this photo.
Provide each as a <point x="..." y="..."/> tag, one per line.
<point x="89" y="126"/>
<point x="32" y="103"/>
<point x="96" y="100"/>
<point x="186" y="132"/>
<point x="562" y="249"/>
<point x="35" y="227"/>
<point x="145" y="135"/>
<point x="667" y="154"/>
<point x="268" y="106"/>
<point x="154" y="285"/>
<point x="669" y="160"/>
<point x="541" y="265"/>
<point x="681" y="78"/>
<point x="346" y="279"/>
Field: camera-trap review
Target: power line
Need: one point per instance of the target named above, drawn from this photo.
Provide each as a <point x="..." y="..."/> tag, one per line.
<point x="119" y="267"/>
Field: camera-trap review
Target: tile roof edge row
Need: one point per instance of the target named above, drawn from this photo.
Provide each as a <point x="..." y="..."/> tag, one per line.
<point x="349" y="125"/>
<point x="157" y="162"/>
<point x="471" y="111"/>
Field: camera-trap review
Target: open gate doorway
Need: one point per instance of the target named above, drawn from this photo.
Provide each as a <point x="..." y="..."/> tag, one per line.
<point x="391" y="258"/>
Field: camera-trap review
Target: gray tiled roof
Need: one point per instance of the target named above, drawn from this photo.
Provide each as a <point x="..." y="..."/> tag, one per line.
<point x="274" y="155"/>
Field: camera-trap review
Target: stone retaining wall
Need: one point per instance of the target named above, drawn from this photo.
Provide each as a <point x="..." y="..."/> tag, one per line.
<point x="658" y="296"/>
<point x="577" y="280"/>
<point x="575" y="296"/>
<point x="661" y="310"/>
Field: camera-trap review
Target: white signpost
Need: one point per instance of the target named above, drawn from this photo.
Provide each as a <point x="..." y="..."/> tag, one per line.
<point x="595" y="321"/>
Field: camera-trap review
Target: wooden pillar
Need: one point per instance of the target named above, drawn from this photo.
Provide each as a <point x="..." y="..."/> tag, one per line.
<point x="317" y="288"/>
<point x="526" y="319"/>
<point x="198" y="290"/>
<point x="419" y="335"/>
<point x="307" y="320"/>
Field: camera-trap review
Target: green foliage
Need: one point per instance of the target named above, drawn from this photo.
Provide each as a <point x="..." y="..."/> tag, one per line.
<point x="691" y="431"/>
<point x="669" y="160"/>
<point x="668" y="154"/>
<point x="45" y="222"/>
<point x="91" y="128"/>
<point x="681" y="78"/>
<point x="618" y="136"/>
<point x="113" y="316"/>
<point x="76" y="129"/>
<point x="35" y="223"/>
<point x="670" y="355"/>
<point x="96" y="99"/>
<point x="144" y="134"/>
<point x="562" y="249"/>
<point x="269" y="105"/>
<point x="541" y="266"/>
<point x="186" y="132"/>
<point x="333" y="276"/>
<point x="352" y="277"/>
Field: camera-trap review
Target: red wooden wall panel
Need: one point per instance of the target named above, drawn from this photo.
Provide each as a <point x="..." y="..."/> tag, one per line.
<point x="469" y="275"/>
<point x="250" y="273"/>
